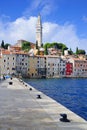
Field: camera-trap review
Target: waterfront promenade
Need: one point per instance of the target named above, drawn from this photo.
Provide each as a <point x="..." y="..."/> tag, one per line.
<point x="20" y="109"/>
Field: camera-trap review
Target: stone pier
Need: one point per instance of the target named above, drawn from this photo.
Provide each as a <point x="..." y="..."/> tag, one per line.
<point x="24" y="108"/>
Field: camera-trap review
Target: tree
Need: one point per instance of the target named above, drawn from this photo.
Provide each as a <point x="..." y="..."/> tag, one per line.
<point x="36" y="44"/>
<point x="77" y="50"/>
<point x="6" y="45"/>
<point x="46" y="51"/>
<point x="26" y="46"/>
<point x="81" y="52"/>
<point x="70" y="52"/>
<point x="2" y="44"/>
<point x="48" y="45"/>
<point x="42" y="45"/>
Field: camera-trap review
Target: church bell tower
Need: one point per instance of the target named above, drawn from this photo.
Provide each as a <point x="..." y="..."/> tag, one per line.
<point x="39" y="31"/>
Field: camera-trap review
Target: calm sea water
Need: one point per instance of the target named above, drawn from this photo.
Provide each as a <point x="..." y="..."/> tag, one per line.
<point x="72" y="93"/>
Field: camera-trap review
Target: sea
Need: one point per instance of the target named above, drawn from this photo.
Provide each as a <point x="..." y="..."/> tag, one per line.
<point x="70" y="92"/>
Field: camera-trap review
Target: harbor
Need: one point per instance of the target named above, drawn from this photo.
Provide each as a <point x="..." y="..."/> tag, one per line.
<point x="23" y="107"/>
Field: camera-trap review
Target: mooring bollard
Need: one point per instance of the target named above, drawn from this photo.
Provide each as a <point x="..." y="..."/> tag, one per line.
<point x="10" y="83"/>
<point x="30" y="89"/>
<point x="64" y="118"/>
<point x="26" y="85"/>
<point x="39" y="96"/>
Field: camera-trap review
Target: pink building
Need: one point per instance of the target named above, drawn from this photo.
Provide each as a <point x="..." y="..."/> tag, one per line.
<point x="79" y="67"/>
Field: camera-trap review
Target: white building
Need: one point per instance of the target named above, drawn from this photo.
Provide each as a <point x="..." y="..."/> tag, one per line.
<point x="41" y="66"/>
<point x="52" y="66"/>
<point x="22" y="64"/>
<point x="8" y="64"/>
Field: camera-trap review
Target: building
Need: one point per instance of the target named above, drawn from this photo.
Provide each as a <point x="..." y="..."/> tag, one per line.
<point x="8" y="63"/>
<point x="32" y="68"/>
<point x="79" y="67"/>
<point x="39" y="31"/>
<point x="69" y="69"/>
<point x="20" y="42"/>
<point x="0" y="67"/>
<point x="62" y="67"/>
<point x="37" y="67"/>
<point x="22" y="64"/>
<point x="41" y="66"/>
<point x="52" y="66"/>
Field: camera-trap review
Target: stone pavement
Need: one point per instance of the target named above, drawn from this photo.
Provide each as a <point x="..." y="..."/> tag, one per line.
<point x="20" y="109"/>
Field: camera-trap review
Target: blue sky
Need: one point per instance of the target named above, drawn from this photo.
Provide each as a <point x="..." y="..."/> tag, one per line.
<point x="63" y="21"/>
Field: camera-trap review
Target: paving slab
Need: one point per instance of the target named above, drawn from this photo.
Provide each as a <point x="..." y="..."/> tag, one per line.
<point x="20" y="109"/>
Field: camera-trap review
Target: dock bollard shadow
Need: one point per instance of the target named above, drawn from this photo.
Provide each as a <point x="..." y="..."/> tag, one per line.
<point x="30" y="89"/>
<point x="39" y="96"/>
<point x="10" y="83"/>
<point x="64" y="118"/>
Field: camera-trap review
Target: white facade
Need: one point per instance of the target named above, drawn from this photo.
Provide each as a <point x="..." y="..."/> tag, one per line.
<point x="22" y="64"/>
<point x="52" y="66"/>
<point x="62" y="67"/>
<point x="41" y="66"/>
<point x="8" y="64"/>
<point x="39" y="31"/>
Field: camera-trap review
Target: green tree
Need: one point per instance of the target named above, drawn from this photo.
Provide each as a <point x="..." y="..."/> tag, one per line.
<point x="77" y="50"/>
<point x="42" y="45"/>
<point x="48" y="45"/>
<point x="46" y="51"/>
<point x="6" y="45"/>
<point x="2" y="44"/>
<point x="70" y="52"/>
<point x="26" y="46"/>
<point x="36" y="44"/>
<point x="60" y="46"/>
<point x="80" y="51"/>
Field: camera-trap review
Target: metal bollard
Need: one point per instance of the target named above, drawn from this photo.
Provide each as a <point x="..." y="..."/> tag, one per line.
<point x="64" y="118"/>
<point x="30" y="89"/>
<point x="39" y="96"/>
<point x="10" y="83"/>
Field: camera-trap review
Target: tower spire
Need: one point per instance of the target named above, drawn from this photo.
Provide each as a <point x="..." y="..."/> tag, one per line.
<point x="39" y="31"/>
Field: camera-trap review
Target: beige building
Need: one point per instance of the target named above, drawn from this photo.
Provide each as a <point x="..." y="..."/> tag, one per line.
<point x="37" y="67"/>
<point x="32" y="68"/>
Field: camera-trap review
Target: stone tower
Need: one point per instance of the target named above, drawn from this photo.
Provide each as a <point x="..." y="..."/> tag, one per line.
<point x="39" y="31"/>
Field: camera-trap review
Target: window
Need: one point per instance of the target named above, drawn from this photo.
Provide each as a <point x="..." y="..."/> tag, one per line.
<point x="13" y="68"/>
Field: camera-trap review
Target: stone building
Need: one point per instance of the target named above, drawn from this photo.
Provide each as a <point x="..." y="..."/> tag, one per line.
<point x="8" y="63"/>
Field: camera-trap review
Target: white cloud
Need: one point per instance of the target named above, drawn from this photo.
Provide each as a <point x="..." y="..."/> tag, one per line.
<point x="23" y="28"/>
<point x="63" y="33"/>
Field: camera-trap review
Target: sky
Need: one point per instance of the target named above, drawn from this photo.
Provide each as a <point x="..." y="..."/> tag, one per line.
<point x="63" y="21"/>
